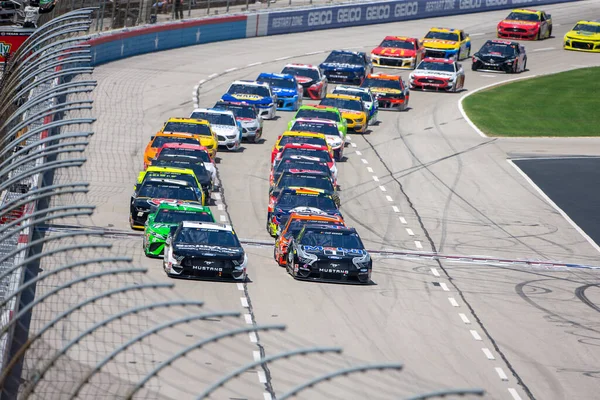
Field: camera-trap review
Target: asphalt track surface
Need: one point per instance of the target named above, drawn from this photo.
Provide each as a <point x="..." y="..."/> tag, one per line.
<point x="421" y="180"/>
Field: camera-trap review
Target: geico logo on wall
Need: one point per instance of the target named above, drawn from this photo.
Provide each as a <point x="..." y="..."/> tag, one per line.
<point x="317" y="18"/>
<point x="377" y="12"/>
<point x="406" y="9"/>
<point x="492" y="3"/>
<point x="349" y="14"/>
<point x="469" y="4"/>
<point x="521" y="1"/>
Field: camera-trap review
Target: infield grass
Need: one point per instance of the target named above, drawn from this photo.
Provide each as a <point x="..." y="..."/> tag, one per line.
<point x="566" y="104"/>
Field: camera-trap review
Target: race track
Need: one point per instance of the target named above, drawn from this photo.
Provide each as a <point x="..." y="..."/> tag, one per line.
<point x="423" y="180"/>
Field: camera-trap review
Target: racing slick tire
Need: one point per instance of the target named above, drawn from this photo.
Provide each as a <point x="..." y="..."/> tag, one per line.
<point x="290" y="266"/>
<point x="550" y="33"/>
<point x="539" y="35"/>
<point x="525" y="64"/>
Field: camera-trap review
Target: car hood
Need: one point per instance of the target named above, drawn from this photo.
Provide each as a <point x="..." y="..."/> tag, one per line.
<point x="512" y="22"/>
<point x="391" y="52"/>
<point x="440" y="44"/>
<point x="385" y="90"/>
<point x="200" y="250"/>
<point x="160" y="228"/>
<point x="489" y="58"/>
<point x="305" y="80"/>
<point x="279" y="211"/>
<point x="149" y="202"/>
<point x="248" y="121"/>
<point x="351" y="67"/>
<point x="284" y="91"/>
<point x="250" y="98"/>
<point x="583" y="35"/>
<point x="440" y="74"/>
<point x="224" y="129"/>
<point x="335" y="253"/>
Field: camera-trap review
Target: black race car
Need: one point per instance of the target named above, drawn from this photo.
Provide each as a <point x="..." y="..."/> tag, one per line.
<point x="328" y="253"/>
<point x="290" y="162"/>
<point x="304" y="178"/>
<point x="180" y="161"/>
<point x="153" y="191"/>
<point x="204" y="250"/>
<point x="500" y="55"/>
<point x="342" y="66"/>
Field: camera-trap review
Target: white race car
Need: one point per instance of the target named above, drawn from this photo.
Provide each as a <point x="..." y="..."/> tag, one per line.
<point x="335" y="138"/>
<point x="438" y="74"/>
<point x="223" y="122"/>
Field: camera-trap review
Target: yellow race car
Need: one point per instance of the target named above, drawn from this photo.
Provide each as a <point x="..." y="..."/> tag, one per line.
<point x="452" y="44"/>
<point x="352" y="109"/>
<point x="585" y="36"/>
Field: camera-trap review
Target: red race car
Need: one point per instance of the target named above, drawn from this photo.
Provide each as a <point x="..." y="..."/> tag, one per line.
<point x="310" y="77"/>
<point x="526" y="24"/>
<point x="398" y="52"/>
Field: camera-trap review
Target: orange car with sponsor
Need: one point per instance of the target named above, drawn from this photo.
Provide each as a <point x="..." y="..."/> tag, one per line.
<point x="390" y="90"/>
<point x="295" y="223"/>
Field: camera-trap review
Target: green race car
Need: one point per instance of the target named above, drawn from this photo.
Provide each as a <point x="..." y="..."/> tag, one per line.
<point x="323" y="112"/>
<point x="164" y="216"/>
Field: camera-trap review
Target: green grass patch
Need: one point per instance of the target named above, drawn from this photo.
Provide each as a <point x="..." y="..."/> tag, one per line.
<point x="566" y="104"/>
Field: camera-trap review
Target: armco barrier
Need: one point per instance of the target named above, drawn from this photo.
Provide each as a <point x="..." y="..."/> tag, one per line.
<point x="125" y="43"/>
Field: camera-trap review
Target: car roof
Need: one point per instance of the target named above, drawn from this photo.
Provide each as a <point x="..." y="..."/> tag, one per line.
<point x="250" y="83"/>
<point x="173" y="170"/>
<point x="168" y="181"/>
<point x="179" y="203"/>
<point x="303" y="133"/>
<point x="208" y="225"/>
<point x="438" y="60"/>
<point x="401" y="38"/>
<point x="304" y="146"/>
<point x="316" y="120"/>
<point x="187" y="146"/>
<point x="195" y="121"/>
<point x="318" y="107"/>
<point x="342" y="97"/>
<point x="305" y="172"/>
<point x="274" y="75"/>
<point x="347" y="52"/>
<point x="213" y="111"/>
<point x="442" y="29"/>
<point x="525" y="11"/>
<point x="307" y="215"/>
<point x="301" y="191"/>
<point x="351" y="88"/>
<point x="330" y="228"/>
<point x="385" y="76"/>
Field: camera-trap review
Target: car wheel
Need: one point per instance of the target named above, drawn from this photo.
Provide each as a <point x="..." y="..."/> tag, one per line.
<point x="538" y="37"/>
<point x="525" y="64"/>
<point x="550" y="33"/>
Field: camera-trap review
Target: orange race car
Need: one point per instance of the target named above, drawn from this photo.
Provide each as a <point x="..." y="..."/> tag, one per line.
<point x="294" y="224"/>
<point x="391" y="91"/>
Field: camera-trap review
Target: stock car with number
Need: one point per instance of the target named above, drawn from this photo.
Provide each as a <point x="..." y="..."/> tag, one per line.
<point x="500" y="55"/>
<point x="323" y="153"/>
<point x="317" y="139"/>
<point x="438" y="74"/>
<point x="299" y="162"/>
<point x="335" y="139"/>
<point x="398" y="52"/>
<point x="169" y="172"/>
<point x="182" y="130"/>
<point x="328" y="253"/>
<point x="153" y="191"/>
<point x="224" y="124"/>
<point x="390" y="90"/>
<point x="352" y="109"/>
<point x="166" y="215"/>
<point x="197" y="166"/>
<point x="294" y="224"/>
<point x="303" y="179"/>
<point x="314" y="83"/>
<point x="290" y="199"/>
<point x="525" y="24"/>
<point x="585" y="36"/>
<point x="343" y="66"/>
<point x="321" y="112"/>
<point x="247" y="116"/>
<point x="453" y="44"/>
<point x="204" y="250"/>
<point x="251" y="92"/>
<point x="192" y="152"/>
<point x="289" y="92"/>
<point x="366" y="95"/>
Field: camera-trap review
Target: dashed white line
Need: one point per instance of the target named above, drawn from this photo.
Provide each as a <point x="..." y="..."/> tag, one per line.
<point x="267" y="396"/>
<point x="220" y="207"/>
<point x="403" y="220"/>
<point x="375" y="178"/>
<point x="452" y="301"/>
<point x="254" y="64"/>
<point x="262" y="378"/>
<point x="501" y="373"/>
<point x="477" y="34"/>
<point x="475" y="335"/>
<point x="515" y="395"/>
<point x="212" y="76"/>
<point x="364" y="161"/>
<point x="223" y="218"/>
<point x="410" y="232"/>
<point x="464" y="318"/>
<point x="488" y="353"/>
<point x="253" y="337"/>
<point x="244" y="302"/>
<point x="389" y="198"/>
<point x="314" y="52"/>
<point x="435" y="272"/>
<point x="418" y="244"/>
<point x="382" y="188"/>
<point x="231" y="69"/>
<point x="201" y="82"/>
<point x="444" y="287"/>
<point x="217" y="196"/>
<point x="396" y="209"/>
<point x="545" y="49"/>
<point x="353" y="144"/>
<point x="256" y="355"/>
<point x="283" y="58"/>
<point x="248" y="319"/>
<point x="358" y="153"/>
<point x="240" y="286"/>
<point x="369" y="169"/>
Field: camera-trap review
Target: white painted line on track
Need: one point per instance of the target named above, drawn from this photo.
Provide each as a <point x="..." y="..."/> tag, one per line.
<point x="364" y="161"/>
<point x="382" y="188"/>
<point x="220" y="207"/>
<point x="389" y="198"/>
<point x="410" y="232"/>
<point x="358" y="153"/>
<point x="515" y="395"/>
<point x="211" y="76"/>
<point x="369" y="169"/>
<point x="353" y="144"/>
<point x="435" y="272"/>
<point x="244" y="302"/>
<point x="418" y="244"/>
<point x="201" y="82"/>
<point x="403" y="220"/>
<point x="253" y="337"/>
<point x="555" y="206"/>
<point x="477" y="34"/>
<point x="464" y="318"/>
<point x="240" y="286"/>
<point x="375" y="178"/>
<point x="501" y="373"/>
<point x="488" y="353"/>
<point x="231" y="69"/>
<point x="444" y="287"/>
<point x="488" y="76"/>
<point x="223" y="218"/>
<point x="262" y="378"/>
<point x="396" y="209"/>
<point x="248" y="319"/>
<point x="557" y="24"/>
<point x="475" y="335"/>
<point x="314" y="52"/>
<point x="545" y="49"/>
<point x="453" y="302"/>
<point x="256" y="355"/>
<point x="283" y="58"/>
<point x="267" y="396"/>
<point x="254" y="64"/>
<point x="217" y="196"/>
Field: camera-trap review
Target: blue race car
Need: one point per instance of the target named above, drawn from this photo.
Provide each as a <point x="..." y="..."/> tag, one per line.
<point x="251" y="92"/>
<point x="343" y="66"/>
<point x="286" y="87"/>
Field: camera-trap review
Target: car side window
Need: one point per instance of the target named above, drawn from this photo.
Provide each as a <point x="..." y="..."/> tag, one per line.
<point x="461" y="36"/>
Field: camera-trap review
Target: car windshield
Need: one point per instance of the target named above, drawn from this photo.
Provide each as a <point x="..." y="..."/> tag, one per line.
<point x="302" y="139"/>
<point x="287" y="164"/>
<point x="498" y="49"/>
<point x="382" y="83"/>
<point x="325" y="238"/>
<point x="398" y="44"/>
<point x="159" y="190"/>
<point x="316" y="113"/>
<point x="345" y="58"/>
<point x="364" y="96"/>
<point x="296" y="224"/>
<point x="354" y="105"/>
<point x="317" y="127"/>
<point x="322" y="155"/>
<point x="213" y="237"/>
<point x="306" y="181"/>
<point x="587" y="28"/>
<point x="306" y="72"/>
<point x="214" y="118"/>
<point x="519" y="16"/>
<point x="291" y="200"/>
<point x="177" y="216"/>
<point x="249" y="89"/>
<point x="171" y="175"/>
<point x="240" y="111"/>
<point x="278" y="82"/>
<point x="436" y="66"/>
<point x="181" y="162"/>
<point x="453" y="37"/>
<point x="186" y="127"/>
<point x="187" y="153"/>
<point x="159" y="141"/>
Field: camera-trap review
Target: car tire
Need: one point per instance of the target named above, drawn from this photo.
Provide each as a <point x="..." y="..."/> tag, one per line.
<point x="539" y="35"/>
<point x="525" y="64"/>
